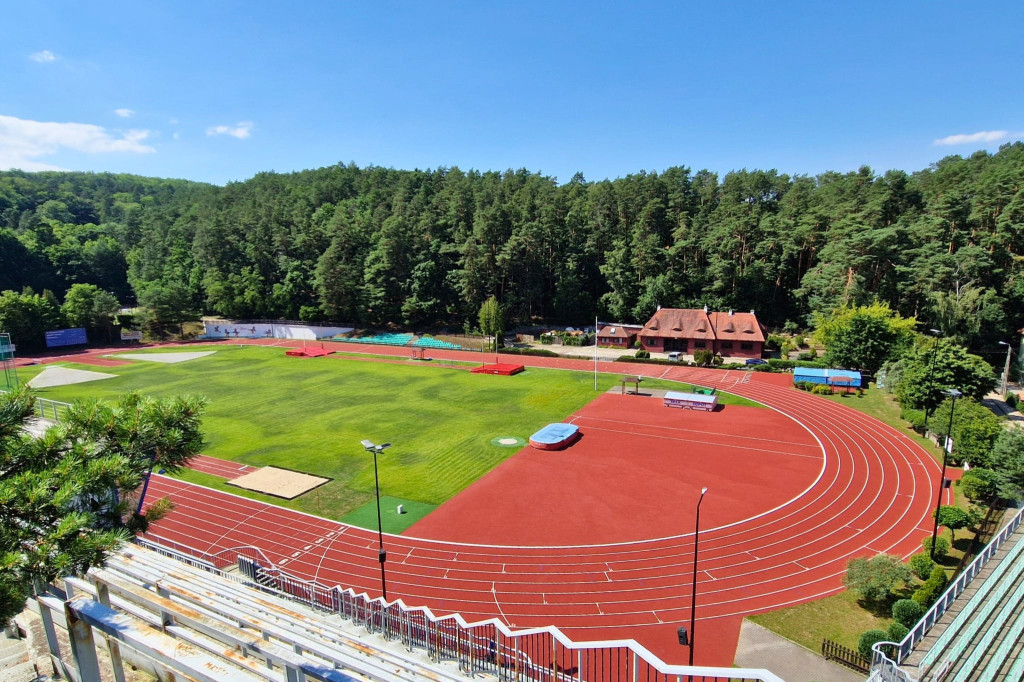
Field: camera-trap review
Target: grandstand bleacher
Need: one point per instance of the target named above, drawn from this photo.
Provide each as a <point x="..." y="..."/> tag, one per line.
<point x="430" y="342"/>
<point x="179" y="616"/>
<point x="377" y="339"/>
<point x="978" y="636"/>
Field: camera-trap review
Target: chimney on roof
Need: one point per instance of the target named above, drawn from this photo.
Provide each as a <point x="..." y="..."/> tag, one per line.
<point x="730" y="312"/>
<point x="751" y="311"/>
<point x="659" y="307"/>
<point x="705" y="310"/>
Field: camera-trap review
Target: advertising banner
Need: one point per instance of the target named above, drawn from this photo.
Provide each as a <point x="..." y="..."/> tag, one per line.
<point x="128" y="335"/>
<point x="66" y="337"/>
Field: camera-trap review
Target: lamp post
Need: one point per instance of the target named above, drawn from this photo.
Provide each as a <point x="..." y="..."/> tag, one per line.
<point x="946" y="450"/>
<point x="382" y="555"/>
<point x="1006" y="367"/>
<point x="693" y="594"/>
<point x="931" y="377"/>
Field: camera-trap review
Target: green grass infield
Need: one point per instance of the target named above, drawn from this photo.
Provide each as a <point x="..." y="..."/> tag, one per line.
<point x="310" y="414"/>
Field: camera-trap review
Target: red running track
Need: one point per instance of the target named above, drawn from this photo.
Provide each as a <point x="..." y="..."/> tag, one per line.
<point x="874" y="495"/>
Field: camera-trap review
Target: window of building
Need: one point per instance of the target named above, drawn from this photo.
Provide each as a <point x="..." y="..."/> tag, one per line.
<point x="652" y="341"/>
<point x="700" y="344"/>
<point x="746" y="345"/>
<point x="726" y="345"/>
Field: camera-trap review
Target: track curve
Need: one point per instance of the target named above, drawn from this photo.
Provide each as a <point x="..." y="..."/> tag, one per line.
<point x="874" y="496"/>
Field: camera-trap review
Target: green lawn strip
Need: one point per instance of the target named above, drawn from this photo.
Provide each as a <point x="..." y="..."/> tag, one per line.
<point x="391" y="520"/>
<point x="839" y="618"/>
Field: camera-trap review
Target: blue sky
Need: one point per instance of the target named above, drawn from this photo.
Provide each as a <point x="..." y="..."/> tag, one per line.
<point x="219" y="91"/>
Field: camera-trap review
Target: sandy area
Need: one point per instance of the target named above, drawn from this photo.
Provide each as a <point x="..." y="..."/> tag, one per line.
<point x="279" y="482"/>
<point x="62" y="376"/>
<point x="168" y="358"/>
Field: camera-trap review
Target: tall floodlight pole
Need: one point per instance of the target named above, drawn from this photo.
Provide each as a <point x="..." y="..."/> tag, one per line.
<point x="382" y="555"/>
<point x="693" y="593"/>
<point x="931" y="377"/>
<point x="595" y="353"/>
<point x="1006" y="367"/>
<point x="946" y="450"/>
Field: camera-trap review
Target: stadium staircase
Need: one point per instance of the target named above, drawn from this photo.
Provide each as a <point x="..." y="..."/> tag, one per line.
<point x="980" y="638"/>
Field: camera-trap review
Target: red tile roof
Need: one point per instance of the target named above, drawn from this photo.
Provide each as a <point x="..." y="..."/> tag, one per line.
<point x="679" y="323"/>
<point x="618" y="331"/>
<point x="737" y="327"/>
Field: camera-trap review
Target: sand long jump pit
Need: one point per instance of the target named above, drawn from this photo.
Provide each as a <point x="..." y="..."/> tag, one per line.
<point x="282" y="483"/>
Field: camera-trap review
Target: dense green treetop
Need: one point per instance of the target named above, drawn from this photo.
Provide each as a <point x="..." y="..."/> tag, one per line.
<point x="66" y="497"/>
<point x="374" y="245"/>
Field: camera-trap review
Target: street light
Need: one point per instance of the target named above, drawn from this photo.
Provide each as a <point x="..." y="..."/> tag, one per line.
<point x="382" y="555"/>
<point x="693" y="594"/>
<point x="946" y="450"/>
<point x="1006" y="367"/>
<point x="931" y="377"/>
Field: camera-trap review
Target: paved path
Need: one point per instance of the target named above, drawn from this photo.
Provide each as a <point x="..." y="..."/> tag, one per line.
<point x="762" y="648"/>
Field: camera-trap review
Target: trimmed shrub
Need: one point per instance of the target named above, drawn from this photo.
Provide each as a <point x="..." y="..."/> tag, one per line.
<point x="703" y="357"/>
<point x="941" y="547"/>
<point x="897" y="631"/>
<point x="922" y="566"/>
<point x="821" y="389"/>
<point x="869" y="639"/>
<point x="784" y="364"/>
<point x="643" y="354"/>
<point x="932" y="588"/>
<point x="915" y="417"/>
<point x="529" y="351"/>
<point x="906" y="612"/>
<point x="979" y="484"/>
<point x="1012" y="400"/>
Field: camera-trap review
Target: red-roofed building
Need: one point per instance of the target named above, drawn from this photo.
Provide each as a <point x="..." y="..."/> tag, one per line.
<point x="687" y="330"/>
<point x="617" y="336"/>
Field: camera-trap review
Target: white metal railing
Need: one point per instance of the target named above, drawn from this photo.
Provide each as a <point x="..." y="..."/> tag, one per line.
<point x="885" y="669"/>
<point x="53" y="410"/>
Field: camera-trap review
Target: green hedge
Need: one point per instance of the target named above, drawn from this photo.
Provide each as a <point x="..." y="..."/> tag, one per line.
<point x="781" y="364"/>
<point x="529" y="351"/>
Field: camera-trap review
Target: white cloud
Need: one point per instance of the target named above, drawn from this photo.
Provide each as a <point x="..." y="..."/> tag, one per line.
<point x="43" y="56"/>
<point x="22" y="142"/>
<point x="125" y="113"/>
<point x="971" y="138"/>
<point x="173" y="121"/>
<point x="177" y="135"/>
<point x="242" y="130"/>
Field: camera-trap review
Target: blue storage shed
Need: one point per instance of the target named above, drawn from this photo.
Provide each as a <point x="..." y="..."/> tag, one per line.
<point x="844" y="378"/>
<point x="811" y="375"/>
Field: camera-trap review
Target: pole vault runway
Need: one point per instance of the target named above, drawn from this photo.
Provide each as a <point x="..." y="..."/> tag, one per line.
<point x="837" y="484"/>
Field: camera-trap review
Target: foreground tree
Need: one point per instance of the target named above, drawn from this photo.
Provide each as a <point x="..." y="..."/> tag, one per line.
<point x="67" y="498"/>
<point x="954" y="519"/>
<point x="874" y="579"/>
<point x="864" y="337"/>
<point x="925" y="371"/>
<point x="86" y="305"/>
<point x="492" y="321"/>
<point x="1007" y="461"/>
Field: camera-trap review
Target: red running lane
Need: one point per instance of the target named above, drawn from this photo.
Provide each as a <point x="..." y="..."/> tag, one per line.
<point x="874" y="495"/>
<point x="223" y="468"/>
